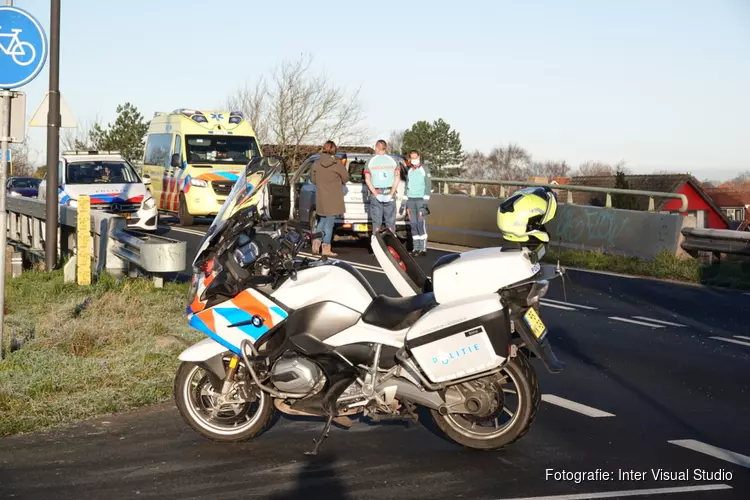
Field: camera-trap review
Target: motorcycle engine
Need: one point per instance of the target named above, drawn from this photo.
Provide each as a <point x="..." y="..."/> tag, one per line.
<point x="296" y="375"/>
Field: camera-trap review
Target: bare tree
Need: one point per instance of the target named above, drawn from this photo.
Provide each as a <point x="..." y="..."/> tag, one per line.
<point x="298" y="108"/>
<point x="742" y="178"/>
<point x="79" y="138"/>
<point x="253" y="102"/>
<point x="597" y="168"/>
<point x="503" y="163"/>
<point x="23" y="159"/>
<point x="549" y="169"/>
<point x="396" y="142"/>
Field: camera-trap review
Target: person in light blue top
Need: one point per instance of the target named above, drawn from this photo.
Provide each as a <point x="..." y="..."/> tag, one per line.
<point x="382" y="177"/>
<point x="418" y="188"/>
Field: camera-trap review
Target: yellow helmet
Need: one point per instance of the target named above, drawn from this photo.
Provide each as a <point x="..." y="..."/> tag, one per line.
<point x="522" y="216"/>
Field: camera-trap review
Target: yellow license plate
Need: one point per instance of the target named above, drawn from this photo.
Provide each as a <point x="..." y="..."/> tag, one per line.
<point x="361" y="228"/>
<point x="535" y="323"/>
<point x="126" y="215"/>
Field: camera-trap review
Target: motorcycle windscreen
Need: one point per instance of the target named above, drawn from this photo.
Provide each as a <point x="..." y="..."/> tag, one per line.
<point x="400" y="268"/>
<point x="247" y="192"/>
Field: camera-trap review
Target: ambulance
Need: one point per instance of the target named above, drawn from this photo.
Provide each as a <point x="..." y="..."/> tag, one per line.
<point x="192" y="159"/>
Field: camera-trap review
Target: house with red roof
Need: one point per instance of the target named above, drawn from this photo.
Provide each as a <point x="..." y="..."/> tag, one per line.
<point x="734" y="202"/>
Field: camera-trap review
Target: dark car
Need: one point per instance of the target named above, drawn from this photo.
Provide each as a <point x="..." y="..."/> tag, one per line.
<point x="23" y="186"/>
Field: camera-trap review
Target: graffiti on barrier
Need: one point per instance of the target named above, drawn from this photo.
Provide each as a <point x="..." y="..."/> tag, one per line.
<point x="590" y="225"/>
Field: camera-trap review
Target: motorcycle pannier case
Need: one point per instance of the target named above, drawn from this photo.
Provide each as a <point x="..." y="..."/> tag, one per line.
<point x="447" y="346"/>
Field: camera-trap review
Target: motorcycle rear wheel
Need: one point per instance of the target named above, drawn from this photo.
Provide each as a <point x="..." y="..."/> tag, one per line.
<point x="462" y="428"/>
<point x="233" y="422"/>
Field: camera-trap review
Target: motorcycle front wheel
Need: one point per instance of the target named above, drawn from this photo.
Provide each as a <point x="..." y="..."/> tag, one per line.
<point x="503" y="425"/>
<point x="230" y="422"/>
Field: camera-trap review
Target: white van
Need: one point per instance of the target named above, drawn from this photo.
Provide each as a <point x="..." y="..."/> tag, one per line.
<point x="356" y="219"/>
<point x="110" y="181"/>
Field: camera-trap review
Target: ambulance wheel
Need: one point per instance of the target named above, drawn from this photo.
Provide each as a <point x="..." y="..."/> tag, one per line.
<point x="182" y="212"/>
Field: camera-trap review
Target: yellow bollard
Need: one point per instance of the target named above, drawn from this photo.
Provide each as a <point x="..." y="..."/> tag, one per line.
<point x="83" y="244"/>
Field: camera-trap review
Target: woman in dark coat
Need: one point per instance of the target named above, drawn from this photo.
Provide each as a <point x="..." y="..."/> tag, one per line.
<point x="329" y="175"/>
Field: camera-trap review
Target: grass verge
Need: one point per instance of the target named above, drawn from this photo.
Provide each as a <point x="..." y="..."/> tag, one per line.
<point x="734" y="275"/>
<point x="88" y="351"/>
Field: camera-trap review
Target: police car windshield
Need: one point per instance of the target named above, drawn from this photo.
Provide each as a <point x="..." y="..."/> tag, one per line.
<point x="232" y="150"/>
<point x="100" y="172"/>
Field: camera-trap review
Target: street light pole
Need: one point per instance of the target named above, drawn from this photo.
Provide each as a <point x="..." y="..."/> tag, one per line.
<point x="53" y="139"/>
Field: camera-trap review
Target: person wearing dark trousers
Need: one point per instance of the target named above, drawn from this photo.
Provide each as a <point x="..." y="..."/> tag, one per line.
<point x="418" y="188"/>
<point x="329" y="175"/>
<point x="382" y="175"/>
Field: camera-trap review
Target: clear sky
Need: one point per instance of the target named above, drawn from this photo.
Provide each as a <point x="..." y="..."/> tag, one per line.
<point x="660" y="84"/>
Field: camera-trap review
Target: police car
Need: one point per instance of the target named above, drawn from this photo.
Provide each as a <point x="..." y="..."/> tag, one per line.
<point x="112" y="184"/>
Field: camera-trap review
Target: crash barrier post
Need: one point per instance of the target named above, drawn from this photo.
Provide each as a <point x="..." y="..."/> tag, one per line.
<point x="115" y="249"/>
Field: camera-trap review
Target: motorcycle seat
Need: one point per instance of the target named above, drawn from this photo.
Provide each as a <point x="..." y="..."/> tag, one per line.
<point x="397" y="313"/>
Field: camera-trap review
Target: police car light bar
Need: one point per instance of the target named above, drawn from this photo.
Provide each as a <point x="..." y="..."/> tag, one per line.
<point x="80" y="153"/>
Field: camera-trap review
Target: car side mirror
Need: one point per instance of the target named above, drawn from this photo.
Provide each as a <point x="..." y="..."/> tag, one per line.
<point x="147" y="180"/>
<point x="175" y="161"/>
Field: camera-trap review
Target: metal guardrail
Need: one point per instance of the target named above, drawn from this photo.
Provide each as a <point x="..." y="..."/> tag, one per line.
<point x="716" y="241"/>
<point x="473" y="183"/>
<point x="115" y="249"/>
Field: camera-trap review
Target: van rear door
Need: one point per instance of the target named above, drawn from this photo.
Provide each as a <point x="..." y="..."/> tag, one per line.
<point x="357" y="196"/>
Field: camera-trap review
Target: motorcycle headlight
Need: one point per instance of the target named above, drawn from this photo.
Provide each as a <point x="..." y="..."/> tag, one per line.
<point x="149" y="203"/>
<point x="246" y="254"/>
<point x="198" y="183"/>
<point x="538" y="290"/>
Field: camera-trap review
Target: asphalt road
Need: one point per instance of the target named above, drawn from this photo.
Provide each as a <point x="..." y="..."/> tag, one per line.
<point x="656" y="379"/>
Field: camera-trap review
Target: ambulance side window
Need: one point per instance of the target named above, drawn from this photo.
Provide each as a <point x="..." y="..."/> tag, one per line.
<point x="157" y="150"/>
<point x="178" y="147"/>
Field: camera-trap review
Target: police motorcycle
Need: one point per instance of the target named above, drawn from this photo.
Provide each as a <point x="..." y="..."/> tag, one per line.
<point x="312" y="337"/>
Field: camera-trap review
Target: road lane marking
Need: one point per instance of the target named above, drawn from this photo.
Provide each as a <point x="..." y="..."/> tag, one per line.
<point x="555" y="306"/>
<point x="635" y="322"/>
<point x="569" y="304"/>
<point x="741" y="337"/>
<point x="629" y="493"/>
<point x="573" y="406"/>
<point x="733" y="341"/>
<point x="187" y="231"/>
<point x="644" y="318"/>
<point x="714" y="451"/>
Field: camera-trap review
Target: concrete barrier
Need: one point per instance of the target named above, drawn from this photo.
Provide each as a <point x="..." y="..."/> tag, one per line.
<point x="471" y="222"/>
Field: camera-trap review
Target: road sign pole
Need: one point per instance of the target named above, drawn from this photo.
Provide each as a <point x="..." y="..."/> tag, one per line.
<point x="53" y="139"/>
<point x="5" y="97"/>
<point x="22" y="61"/>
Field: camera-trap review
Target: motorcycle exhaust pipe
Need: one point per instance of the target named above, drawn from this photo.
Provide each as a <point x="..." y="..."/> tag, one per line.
<point x="409" y="391"/>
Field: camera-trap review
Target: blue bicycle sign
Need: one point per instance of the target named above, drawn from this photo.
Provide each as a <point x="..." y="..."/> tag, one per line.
<point x="23" y="47"/>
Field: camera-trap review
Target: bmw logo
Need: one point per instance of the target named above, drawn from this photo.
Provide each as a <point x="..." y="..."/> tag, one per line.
<point x="257" y="321"/>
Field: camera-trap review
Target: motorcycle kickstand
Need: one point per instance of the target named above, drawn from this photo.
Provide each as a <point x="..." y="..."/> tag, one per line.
<point x="323" y="435"/>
